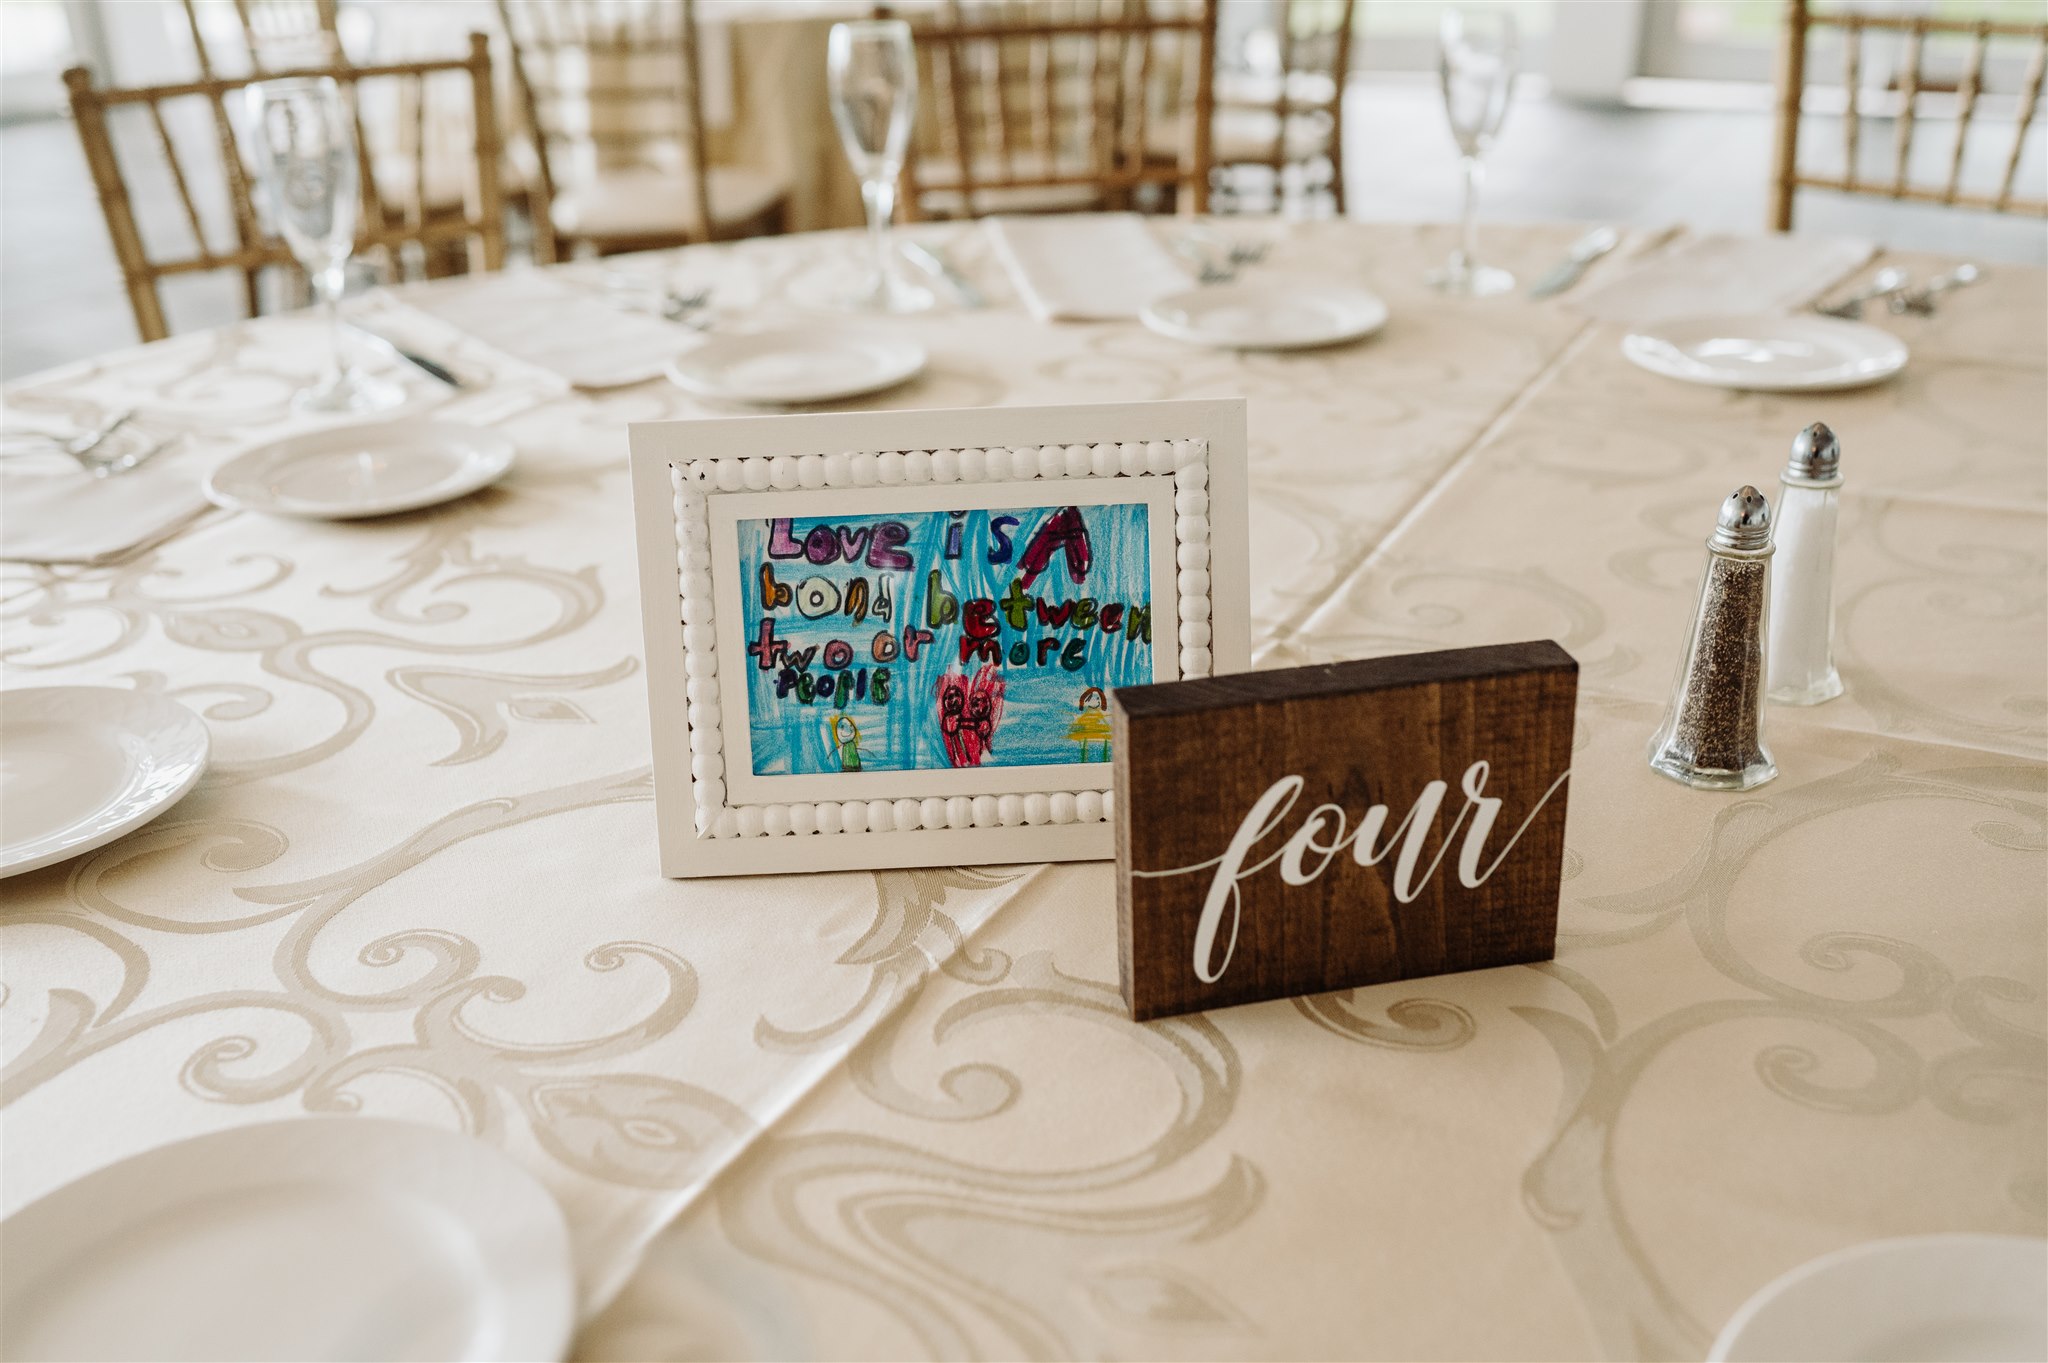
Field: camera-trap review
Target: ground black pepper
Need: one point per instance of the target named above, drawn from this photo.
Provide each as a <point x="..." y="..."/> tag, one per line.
<point x="1717" y="723"/>
<point x="1712" y="735"/>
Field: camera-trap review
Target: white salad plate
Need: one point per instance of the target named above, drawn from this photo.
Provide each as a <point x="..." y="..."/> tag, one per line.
<point x="1981" y="1297"/>
<point x="1269" y="315"/>
<point x="325" y="1237"/>
<point x="772" y="368"/>
<point x="1765" y="353"/>
<point x="81" y="765"/>
<point x="376" y="469"/>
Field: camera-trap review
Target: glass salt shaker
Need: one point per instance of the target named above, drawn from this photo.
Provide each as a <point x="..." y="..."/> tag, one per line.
<point x="1801" y="669"/>
<point x="1712" y="737"/>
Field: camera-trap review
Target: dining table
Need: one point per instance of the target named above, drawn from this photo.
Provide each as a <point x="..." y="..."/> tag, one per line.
<point x="904" y="1113"/>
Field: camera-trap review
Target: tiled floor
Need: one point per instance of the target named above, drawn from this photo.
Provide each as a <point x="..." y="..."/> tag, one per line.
<point x="61" y="296"/>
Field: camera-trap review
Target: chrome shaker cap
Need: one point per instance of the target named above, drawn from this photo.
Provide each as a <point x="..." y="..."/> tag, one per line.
<point x="1744" y="523"/>
<point x="1816" y="457"/>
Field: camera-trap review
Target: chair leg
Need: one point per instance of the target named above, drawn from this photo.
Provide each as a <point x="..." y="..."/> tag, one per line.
<point x="548" y="245"/>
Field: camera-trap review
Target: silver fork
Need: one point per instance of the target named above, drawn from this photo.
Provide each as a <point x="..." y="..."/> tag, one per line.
<point x="1920" y="302"/>
<point x="1244" y="253"/>
<point x="671" y="303"/>
<point x="1886" y="281"/>
<point x="81" y="448"/>
<point x="1211" y="270"/>
<point x="677" y="306"/>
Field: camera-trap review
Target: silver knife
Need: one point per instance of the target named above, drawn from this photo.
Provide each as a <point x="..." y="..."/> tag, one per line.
<point x="1584" y="252"/>
<point x="936" y="265"/>
<point x="398" y="352"/>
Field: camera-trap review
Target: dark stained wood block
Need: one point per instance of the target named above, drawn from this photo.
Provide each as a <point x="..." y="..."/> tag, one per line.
<point x="1244" y="805"/>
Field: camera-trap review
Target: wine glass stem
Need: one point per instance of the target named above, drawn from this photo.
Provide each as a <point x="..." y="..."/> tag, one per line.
<point x="328" y="283"/>
<point x="1468" y="238"/>
<point x="879" y="194"/>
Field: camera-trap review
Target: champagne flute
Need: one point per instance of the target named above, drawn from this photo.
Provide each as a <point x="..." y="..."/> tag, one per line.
<point x="305" y="151"/>
<point x="871" y="68"/>
<point x="1476" y="54"/>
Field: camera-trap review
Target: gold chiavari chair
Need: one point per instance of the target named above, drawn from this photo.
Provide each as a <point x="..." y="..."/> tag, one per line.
<point x="1034" y="107"/>
<point x="1914" y="89"/>
<point x="275" y="34"/>
<point x="612" y="97"/>
<point x="1294" y="117"/>
<point x="386" y="226"/>
<point x="302" y="32"/>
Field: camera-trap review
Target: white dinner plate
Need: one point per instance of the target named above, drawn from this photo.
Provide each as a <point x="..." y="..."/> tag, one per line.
<point x="81" y="765"/>
<point x="778" y="367"/>
<point x="1922" y="1297"/>
<point x="1270" y="315"/>
<point x="325" y="1237"/>
<point x="1765" y="353"/>
<point x="375" y="469"/>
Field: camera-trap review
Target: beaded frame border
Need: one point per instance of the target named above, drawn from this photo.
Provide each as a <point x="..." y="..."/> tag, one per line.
<point x="694" y="482"/>
<point x="686" y="460"/>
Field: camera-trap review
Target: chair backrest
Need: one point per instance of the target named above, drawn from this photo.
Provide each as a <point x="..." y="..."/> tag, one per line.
<point x="388" y="221"/>
<point x="605" y="84"/>
<point x="1915" y="98"/>
<point x="275" y="34"/>
<point x="1025" y="95"/>
<point x="1312" y="62"/>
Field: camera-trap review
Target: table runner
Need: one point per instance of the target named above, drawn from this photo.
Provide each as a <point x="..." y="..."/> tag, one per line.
<point x="1778" y="1023"/>
<point x="422" y="882"/>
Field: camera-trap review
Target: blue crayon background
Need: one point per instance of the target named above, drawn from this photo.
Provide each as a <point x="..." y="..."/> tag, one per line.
<point x="1040" y="703"/>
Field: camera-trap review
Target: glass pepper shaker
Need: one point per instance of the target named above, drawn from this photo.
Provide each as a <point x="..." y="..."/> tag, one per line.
<point x="1801" y="667"/>
<point x="1712" y="737"/>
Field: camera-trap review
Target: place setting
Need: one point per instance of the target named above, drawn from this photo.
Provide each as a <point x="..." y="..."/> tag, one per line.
<point x="372" y="469"/>
<point x="1823" y="349"/>
<point x="790" y="681"/>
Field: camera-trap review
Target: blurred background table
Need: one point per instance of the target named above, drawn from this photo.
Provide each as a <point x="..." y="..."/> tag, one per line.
<point x="900" y="1114"/>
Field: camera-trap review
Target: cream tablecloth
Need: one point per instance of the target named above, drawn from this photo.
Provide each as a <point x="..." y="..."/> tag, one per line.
<point x="901" y="1113"/>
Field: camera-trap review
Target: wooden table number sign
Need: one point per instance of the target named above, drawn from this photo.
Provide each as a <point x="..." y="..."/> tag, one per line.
<point x="1316" y="828"/>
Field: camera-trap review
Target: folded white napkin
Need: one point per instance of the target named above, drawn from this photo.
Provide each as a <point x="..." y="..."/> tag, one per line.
<point x="1085" y="266"/>
<point x="574" y="332"/>
<point x="51" y="511"/>
<point x="1726" y="275"/>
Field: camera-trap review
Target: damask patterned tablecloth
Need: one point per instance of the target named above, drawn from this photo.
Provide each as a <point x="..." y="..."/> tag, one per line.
<point x="902" y="1114"/>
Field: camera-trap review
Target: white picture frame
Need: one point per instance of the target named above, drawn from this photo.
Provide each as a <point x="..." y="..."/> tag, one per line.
<point x="695" y="482"/>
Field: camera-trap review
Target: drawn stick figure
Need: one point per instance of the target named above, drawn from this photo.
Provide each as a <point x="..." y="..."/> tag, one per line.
<point x="847" y="745"/>
<point x="1091" y="725"/>
<point x="969" y="711"/>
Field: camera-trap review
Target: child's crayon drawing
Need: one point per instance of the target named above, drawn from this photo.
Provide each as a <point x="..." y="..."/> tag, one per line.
<point x="935" y="639"/>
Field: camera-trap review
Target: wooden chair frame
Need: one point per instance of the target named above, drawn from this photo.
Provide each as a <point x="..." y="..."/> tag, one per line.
<point x="1801" y="20"/>
<point x="1287" y="106"/>
<point x="1116" y="110"/>
<point x="564" y="25"/>
<point x="382" y="224"/>
<point x="326" y="15"/>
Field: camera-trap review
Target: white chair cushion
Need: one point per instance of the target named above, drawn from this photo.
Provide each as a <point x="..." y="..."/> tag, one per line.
<point x="938" y="185"/>
<point x="1239" y="135"/>
<point x="644" y="202"/>
<point x="1245" y="87"/>
<point x="1247" y="135"/>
